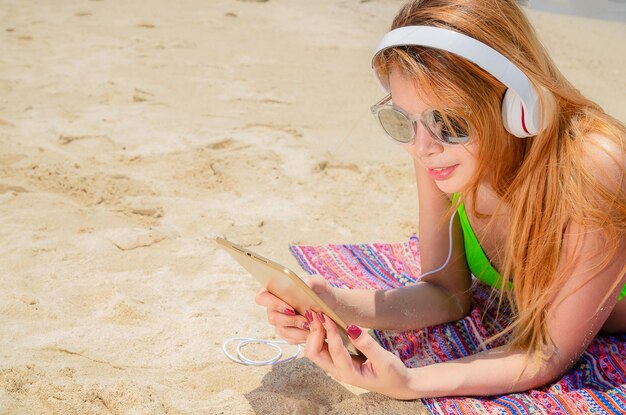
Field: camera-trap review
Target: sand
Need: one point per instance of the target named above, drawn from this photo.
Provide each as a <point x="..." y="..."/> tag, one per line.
<point x="133" y="133"/>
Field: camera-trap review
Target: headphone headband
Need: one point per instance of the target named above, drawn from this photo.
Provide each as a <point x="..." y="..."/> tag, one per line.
<point x="471" y="49"/>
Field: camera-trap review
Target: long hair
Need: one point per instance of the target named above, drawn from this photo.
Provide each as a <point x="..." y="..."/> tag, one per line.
<point x="544" y="182"/>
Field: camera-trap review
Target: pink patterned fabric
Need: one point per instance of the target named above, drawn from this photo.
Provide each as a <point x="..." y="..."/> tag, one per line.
<point x="596" y="384"/>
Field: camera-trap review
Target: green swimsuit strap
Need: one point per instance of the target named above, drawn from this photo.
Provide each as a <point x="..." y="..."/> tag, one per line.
<point x="477" y="261"/>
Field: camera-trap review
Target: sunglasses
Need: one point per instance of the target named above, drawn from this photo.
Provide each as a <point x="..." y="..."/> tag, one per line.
<point x="446" y="128"/>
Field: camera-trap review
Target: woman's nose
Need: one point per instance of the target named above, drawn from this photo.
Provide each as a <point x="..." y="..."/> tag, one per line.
<point x="423" y="142"/>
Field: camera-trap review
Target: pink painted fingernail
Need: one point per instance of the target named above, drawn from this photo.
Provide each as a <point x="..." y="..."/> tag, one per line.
<point x="289" y="311"/>
<point x="309" y="316"/>
<point x="305" y="326"/>
<point x="353" y="331"/>
<point x="321" y="317"/>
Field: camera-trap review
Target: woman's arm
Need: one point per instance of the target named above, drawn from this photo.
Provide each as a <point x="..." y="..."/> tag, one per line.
<point x="576" y="316"/>
<point x="455" y="279"/>
<point x="410" y="307"/>
<point x="573" y="321"/>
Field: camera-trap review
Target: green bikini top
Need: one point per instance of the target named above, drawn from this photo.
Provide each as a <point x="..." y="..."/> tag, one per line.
<point x="477" y="261"/>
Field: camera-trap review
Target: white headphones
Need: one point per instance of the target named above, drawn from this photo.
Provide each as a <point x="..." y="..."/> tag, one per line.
<point x="520" y="106"/>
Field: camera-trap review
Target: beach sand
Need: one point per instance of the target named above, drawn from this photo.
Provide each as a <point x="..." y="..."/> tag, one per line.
<point x="133" y="133"/>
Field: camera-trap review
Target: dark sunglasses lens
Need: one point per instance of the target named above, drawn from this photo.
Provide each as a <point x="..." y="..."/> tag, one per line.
<point x="396" y="124"/>
<point x="450" y="129"/>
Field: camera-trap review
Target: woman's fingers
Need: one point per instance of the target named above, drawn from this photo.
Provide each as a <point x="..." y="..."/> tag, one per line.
<point x="270" y="301"/>
<point x="288" y="325"/>
<point x="317" y="283"/>
<point x="340" y="356"/>
<point x="315" y="348"/>
<point x="323" y="289"/>
<point x="292" y="335"/>
<point x="279" y="319"/>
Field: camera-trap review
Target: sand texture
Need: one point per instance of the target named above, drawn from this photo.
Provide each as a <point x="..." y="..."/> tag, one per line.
<point x="132" y="133"/>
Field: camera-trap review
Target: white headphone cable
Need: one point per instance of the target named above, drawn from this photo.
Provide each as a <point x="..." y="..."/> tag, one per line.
<point x="445" y="264"/>
<point x="274" y="344"/>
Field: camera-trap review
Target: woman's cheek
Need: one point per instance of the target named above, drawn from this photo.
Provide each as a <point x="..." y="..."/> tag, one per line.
<point x="410" y="149"/>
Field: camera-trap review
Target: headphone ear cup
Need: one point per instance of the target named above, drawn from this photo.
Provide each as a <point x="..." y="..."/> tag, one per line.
<point x="517" y="120"/>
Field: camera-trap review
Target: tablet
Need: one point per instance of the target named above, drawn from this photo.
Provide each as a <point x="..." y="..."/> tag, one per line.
<point x="284" y="284"/>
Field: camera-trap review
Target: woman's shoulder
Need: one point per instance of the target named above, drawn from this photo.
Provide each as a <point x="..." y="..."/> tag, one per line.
<point x="605" y="158"/>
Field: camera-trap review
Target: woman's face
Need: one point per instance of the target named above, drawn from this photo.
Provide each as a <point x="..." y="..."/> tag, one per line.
<point x="450" y="166"/>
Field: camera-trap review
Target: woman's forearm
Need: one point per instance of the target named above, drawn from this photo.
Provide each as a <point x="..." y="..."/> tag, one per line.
<point x="412" y="307"/>
<point x="493" y="372"/>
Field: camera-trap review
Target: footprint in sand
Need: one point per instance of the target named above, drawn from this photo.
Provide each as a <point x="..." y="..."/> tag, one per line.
<point x="128" y="239"/>
<point x="225" y="144"/>
<point x="9" y="188"/>
<point x="82" y="143"/>
<point x="140" y="95"/>
<point x="325" y="166"/>
<point x="246" y="235"/>
<point x="43" y="391"/>
<point x="90" y="187"/>
<point x="142" y="206"/>
<point x="124" y="313"/>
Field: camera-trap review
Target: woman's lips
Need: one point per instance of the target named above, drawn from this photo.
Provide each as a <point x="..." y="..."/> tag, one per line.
<point x="441" y="173"/>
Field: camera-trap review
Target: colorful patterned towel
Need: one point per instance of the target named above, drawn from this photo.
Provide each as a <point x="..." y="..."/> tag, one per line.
<point x="596" y="384"/>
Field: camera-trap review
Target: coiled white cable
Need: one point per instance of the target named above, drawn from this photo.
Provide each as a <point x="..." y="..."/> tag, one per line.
<point x="445" y="264"/>
<point x="274" y="344"/>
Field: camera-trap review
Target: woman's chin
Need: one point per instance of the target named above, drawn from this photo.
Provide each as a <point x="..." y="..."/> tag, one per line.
<point x="449" y="186"/>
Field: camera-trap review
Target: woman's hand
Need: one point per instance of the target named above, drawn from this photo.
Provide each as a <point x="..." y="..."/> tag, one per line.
<point x="381" y="371"/>
<point x="288" y="325"/>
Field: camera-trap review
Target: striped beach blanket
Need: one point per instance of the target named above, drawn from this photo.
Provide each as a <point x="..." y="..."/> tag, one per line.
<point x="595" y="385"/>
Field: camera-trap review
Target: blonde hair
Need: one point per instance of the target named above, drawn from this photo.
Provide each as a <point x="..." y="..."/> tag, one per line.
<point x="544" y="181"/>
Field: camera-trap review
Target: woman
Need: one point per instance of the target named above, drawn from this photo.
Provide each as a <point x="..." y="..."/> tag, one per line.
<point x="541" y="218"/>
